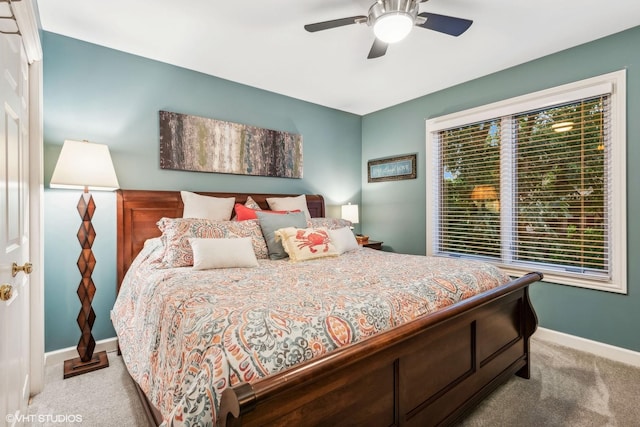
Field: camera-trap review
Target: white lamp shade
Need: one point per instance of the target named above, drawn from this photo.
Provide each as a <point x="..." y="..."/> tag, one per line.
<point x="350" y="213"/>
<point x="393" y="27"/>
<point x="84" y="164"/>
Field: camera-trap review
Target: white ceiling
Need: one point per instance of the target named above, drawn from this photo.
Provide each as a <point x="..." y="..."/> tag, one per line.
<point x="263" y="43"/>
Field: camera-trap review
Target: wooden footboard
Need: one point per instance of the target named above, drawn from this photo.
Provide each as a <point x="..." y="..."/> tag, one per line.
<point x="428" y="372"/>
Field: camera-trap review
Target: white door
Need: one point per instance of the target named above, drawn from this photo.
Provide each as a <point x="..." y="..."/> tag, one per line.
<point x="14" y="230"/>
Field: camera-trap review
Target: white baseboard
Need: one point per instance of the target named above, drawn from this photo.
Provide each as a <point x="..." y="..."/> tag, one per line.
<point x="617" y="354"/>
<point x="59" y="356"/>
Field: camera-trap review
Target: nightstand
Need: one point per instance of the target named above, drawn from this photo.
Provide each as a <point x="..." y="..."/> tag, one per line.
<point x="373" y="244"/>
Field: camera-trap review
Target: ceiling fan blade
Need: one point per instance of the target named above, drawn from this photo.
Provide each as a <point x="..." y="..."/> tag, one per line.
<point x="445" y="24"/>
<point x="378" y="49"/>
<point x="325" y="25"/>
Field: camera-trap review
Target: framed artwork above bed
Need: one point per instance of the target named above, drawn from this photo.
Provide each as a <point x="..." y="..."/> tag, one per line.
<point x="200" y="144"/>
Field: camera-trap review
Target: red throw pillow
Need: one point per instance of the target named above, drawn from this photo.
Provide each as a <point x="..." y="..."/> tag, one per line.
<point x="244" y="213"/>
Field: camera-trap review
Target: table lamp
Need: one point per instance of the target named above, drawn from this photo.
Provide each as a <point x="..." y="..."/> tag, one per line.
<point x="350" y="213"/>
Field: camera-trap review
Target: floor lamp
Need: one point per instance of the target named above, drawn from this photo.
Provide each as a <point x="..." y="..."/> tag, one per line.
<point x="86" y="166"/>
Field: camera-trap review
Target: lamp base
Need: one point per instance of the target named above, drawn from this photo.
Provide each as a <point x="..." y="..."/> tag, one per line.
<point x="73" y="367"/>
<point x="362" y="239"/>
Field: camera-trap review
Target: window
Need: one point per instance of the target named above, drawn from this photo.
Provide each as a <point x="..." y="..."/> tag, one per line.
<point x="535" y="183"/>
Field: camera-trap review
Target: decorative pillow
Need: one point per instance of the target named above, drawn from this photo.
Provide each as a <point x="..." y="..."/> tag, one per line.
<point x="269" y="223"/>
<point x="289" y="204"/>
<point x="252" y="204"/>
<point x="343" y="239"/>
<point x="306" y="243"/>
<point x="222" y="253"/>
<point x="330" y="223"/>
<point x="244" y="213"/>
<point x="213" y="208"/>
<point x="176" y="233"/>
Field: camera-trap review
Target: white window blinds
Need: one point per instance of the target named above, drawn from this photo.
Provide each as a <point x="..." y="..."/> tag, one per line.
<point x="532" y="189"/>
<point x="561" y="173"/>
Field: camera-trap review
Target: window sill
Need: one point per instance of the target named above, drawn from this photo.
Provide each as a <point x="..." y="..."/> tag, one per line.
<point x="580" y="282"/>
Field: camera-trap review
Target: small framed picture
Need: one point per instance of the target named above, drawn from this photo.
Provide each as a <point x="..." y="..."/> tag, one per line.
<point x="392" y="168"/>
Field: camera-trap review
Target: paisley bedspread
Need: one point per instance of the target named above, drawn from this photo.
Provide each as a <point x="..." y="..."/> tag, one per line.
<point x="187" y="335"/>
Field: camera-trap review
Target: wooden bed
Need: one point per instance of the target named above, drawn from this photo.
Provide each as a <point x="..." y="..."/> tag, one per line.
<point x="430" y="371"/>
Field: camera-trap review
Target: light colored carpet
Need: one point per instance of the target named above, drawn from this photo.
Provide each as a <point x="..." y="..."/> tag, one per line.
<point x="106" y="397"/>
<point x="567" y="388"/>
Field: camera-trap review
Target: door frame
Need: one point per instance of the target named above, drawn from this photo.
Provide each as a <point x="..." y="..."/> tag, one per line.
<point x="27" y="22"/>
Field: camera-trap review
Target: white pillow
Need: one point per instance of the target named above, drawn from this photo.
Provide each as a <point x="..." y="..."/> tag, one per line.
<point x="222" y="253"/>
<point x="289" y="204"/>
<point x="344" y="240"/>
<point x="207" y="207"/>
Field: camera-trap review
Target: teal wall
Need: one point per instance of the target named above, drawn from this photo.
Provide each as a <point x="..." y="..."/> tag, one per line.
<point x="110" y="97"/>
<point x="395" y="211"/>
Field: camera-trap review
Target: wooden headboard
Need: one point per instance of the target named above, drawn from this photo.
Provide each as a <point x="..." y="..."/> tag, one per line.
<point x="138" y="211"/>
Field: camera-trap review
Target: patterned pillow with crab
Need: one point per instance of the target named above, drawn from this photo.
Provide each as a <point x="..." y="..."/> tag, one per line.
<point x="306" y="243"/>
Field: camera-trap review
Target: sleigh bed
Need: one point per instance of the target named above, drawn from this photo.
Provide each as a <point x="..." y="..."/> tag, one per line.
<point x="429" y="370"/>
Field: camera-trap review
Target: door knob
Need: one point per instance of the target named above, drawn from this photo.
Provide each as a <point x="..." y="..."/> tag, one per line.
<point x="27" y="268"/>
<point x="5" y="292"/>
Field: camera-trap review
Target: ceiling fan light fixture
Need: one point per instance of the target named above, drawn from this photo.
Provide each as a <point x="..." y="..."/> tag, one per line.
<point x="393" y="27"/>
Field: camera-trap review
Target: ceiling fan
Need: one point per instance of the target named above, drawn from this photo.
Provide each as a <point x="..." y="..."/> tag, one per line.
<point x="392" y="20"/>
